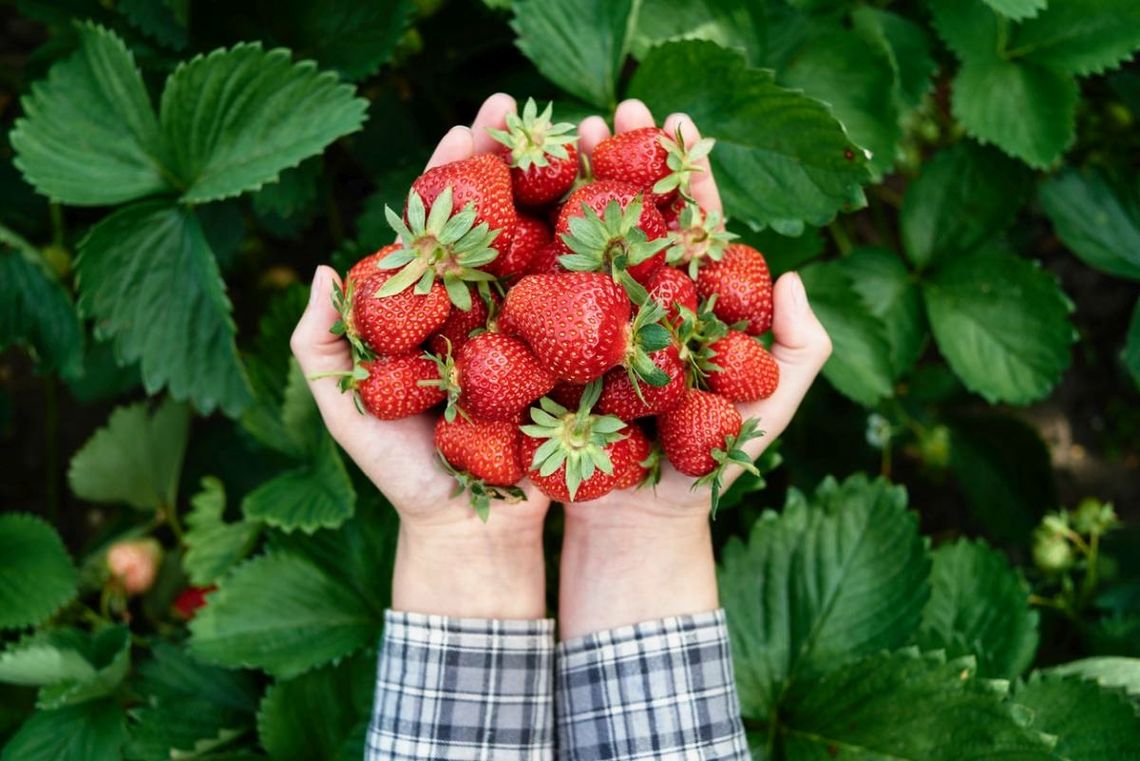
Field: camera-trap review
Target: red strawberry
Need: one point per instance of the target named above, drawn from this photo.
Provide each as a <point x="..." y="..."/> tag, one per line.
<point x="619" y="398"/>
<point x="702" y="435"/>
<point x="542" y="156"/>
<point x="671" y="213"/>
<point x="747" y="371"/>
<point x="392" y="388"/>
<point x="743" y="286"/>
<point x="493" y="377"/>
<point x="368" y="265"/>
<point x="529" y="237"/>
<point x="458" y="326"/>
<point x="671" y="287"/>
<point x="629" y="457"/>
<point x="190" y="599"/>
<point x="483" y="181"/>
<point x="632" y="241"/>
<point x="391" y="325"/>
<point x="545" y="260"/>
<point x="487" y="449"/>
<point x="697" y="238"/>
<point x="569" y="395"/>
<point x="657" y="162"/>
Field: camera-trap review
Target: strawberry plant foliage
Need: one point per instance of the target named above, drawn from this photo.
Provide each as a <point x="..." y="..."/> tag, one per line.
<point x="1097" y="218"/>
<point x="37" y="576"/>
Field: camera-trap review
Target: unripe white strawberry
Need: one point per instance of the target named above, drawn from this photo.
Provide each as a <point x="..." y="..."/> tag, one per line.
<point x="134" y="564"/>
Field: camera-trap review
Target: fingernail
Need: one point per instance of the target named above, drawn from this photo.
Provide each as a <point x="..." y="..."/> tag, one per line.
<point x="799" y="295"/>
<point x="315" y="288"/>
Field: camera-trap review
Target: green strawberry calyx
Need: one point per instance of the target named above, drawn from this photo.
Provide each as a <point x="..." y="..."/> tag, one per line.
<point x="577" y="439"/>
<point x="699" y="237"/>
<point x="732" y="454"/>
<point x="480" y="492"/>
<point x="682" y="161"/>
<point x="532" y="137"/>
<point x="647" y="336"/>
<point x="695" y="333"/>
<point x="440" y="244"/>
<point x="448" y="380"/>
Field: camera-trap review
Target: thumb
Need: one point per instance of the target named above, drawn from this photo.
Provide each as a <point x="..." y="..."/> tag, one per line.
<point x="320" y="351"/>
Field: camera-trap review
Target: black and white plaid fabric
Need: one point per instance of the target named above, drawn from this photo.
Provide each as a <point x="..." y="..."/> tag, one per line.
<point x="656" y="690"/>
<point x="463" y="690"/>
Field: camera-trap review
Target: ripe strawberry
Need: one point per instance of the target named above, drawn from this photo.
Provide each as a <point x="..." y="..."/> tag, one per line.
<point x="657" y="162"/>
<point x="530" y="236"/>
<point x="747" y="372"/>
<point x="630" y="456"/>
<point x="483" y="181"/>
<point x="190" y="599"/>
<point x="390" y="325"/>
<point x="368" y="265"/>
<point x="703" y="435"/>
<point x="743" y="286"/>
<point x="569" y="395"/>
<point x="390" y="388"/>
<point x="670" y="287"/>
<point x="458" y="326"/>
<point x="607" y="226"/>
<point x="545" y="260"/>
<point x="493" y="377"/>
<point x="542" y="156"/>
<point x="486" y="449"/>
<point x="697" y="238"/>
<point x="621" y="398"/>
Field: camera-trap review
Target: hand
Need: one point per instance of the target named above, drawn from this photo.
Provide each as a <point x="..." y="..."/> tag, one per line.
<point x="448" y="561"/>
<point x="638" y="555"/>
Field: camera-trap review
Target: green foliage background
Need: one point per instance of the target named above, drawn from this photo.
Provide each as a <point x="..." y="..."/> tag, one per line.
<point x="956" y="180"/>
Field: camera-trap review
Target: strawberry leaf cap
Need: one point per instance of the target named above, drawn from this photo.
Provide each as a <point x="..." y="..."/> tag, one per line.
<point x="699" y="236"/>
<point x="440" y="244"/>
<point x="611" y="243"/>
<point x="532" y="137"/>
<point x="695" y="333"/>
<point x="647" y="336"/>
<point x="342" y="303"/>
<point x="682" y="161"/>
<point x="575" y="439"/>
<point x="350" y="380"/>
<point x="480" y="492"/>
<point x="732" y="454"/>
<point x="448" y="381"/>
<point x="652" y="465"/>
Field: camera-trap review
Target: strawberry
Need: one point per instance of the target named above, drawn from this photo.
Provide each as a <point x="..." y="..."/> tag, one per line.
<point x="703" y="435"/>
<point x="470" y="223"/>
<point x="484" y="458"/>
<point x="633" y="458"/>
<point x="368" y="265"/>
<point x="530" y="236"/>
<point x="545" y="260"/>
<point x="190" y="599"/>
<point x="569" y="395"/>
<point x="578" y="325"/>
<point x="621" y="398"/>
<point x="744" y="370"/>
<point x="493" y="377"/>
<point x="607" y="226"/>
<point x="457" y="328"/>
<point x="743" y="287"/>
<point x="389" y="325"/>
<point x="542" y="156"/>
<point x="390" y="388"/>
<point x="672" y="288"/>
<point x="657" y="162"/>
<point x="133" y="564"/>
<point x="697" y="238"/>
<point x="572" y="456"/>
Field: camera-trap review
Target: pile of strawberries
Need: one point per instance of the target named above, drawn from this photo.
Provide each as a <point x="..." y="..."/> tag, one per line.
<point x="566" y="321"/>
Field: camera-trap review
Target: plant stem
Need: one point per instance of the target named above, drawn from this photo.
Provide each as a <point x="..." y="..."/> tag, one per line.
<point x="839" y="234"/>
<point x="57" y="226"/>
<point x="170" y="512"/>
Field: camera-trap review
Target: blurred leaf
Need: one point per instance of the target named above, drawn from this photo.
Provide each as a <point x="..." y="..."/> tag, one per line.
<point x="189" y="729"/>
<point x="280" y="613"/>
<point x="372" y="229"/>
<point x="136" y="459"/>
<point x="318" y="494"/>
<point x="213" y="546"/>
<point x="1131" y="353"/>
<point x="146" y="274"/>
<point x="1002" y="323"/>
<point x="36" y="577"/>
<point x="783" y="253"/>
<point x="860" y="363"/>
<point x="68" y="665"/>
<point x="162" y="20"/>
<point x="820" y="584"/>
<point x="223" y="224"/>
<point x="965" y="196"/>
<point x="1006" y="473"/>
<point x="1017" y="9"/>
<point x="94" y="730"/>
<point x="979" y="605"/>
<point x="1079" y="37"/>
<point x="237" y="118"/>
<point x="294" y="192"/>
<point x="89" y="136"/>
<point x="103" y="378"/>
<point x="1090" y="723"/>
<point x="579" y="45"/>
<point x="36" y="310"/>
<point x="908" y="49"/>
<point x="801" y="167"/>
<point x="1107" y="671"/>
<point x="748" y="484"/>
<point x="173" y="675"/>
<point x="1098" y="221"/>
<point x="889" y="291"/>
<point x="728" y="23"/>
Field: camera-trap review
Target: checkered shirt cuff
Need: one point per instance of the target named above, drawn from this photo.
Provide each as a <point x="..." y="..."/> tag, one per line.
<point x="655" y="690"/>
<point x="458" y="689"/>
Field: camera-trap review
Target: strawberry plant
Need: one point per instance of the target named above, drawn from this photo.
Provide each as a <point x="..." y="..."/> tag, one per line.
<point x="938" y="560"/>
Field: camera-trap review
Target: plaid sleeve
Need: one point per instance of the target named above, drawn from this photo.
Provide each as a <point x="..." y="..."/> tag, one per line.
<point x="661" y="689"/>
<point x="463" y="689"/>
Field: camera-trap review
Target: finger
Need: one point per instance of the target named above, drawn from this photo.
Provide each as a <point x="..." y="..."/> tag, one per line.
<point x="493" y="114"/>
<point x="702" y="185"/>
<point x="632" y="114"/>
<point x="318" y="351"/>
<point x="456" y="145"/>
<point x="592" y="131"/>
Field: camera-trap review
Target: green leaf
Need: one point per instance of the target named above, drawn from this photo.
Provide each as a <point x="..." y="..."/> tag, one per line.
<point x="728" y="23"/>
<point x="212" y="545"/>
<point x="1089" y="722"/>
<point x="84" y="732"/>
<point x="781" y="158"/>
<point x="904" y="706"/>
<point x="1018" y="9"/>
<point x="1002" y="323"/>
<point x="980" y="603"/>
<point x="965" y="196"/>
<point x="750" y="483"/>
<point x="89" y="136"/>
<point x="173" y="675"/>
<point x="820" y="584"/>
<point x="135" y="459"/>
<point x="281" y="613"/>
<point x="318" y="494"/>
<point x="1131" y="354"/>
<point x="36" y="310"/>
<point x="579" y="45"/>
<point x="312" y="716"/>
<point x="1098" y="220"/>
<point x="860" y="96"/>
<point x="36" y="577"/>
<point x="783" y="253"/>
<point x="968" y="28"/>
<point x="889" y="291"/>
<point x="235" y="119"/>
<point x="69" y="665"/>
<point x="189" y="729"/>
<point x="1079" y="37"/>
<point x="294" y="192"/>
<point x="162" y="20"/>
<point x="860" y="364"/>
<point x="147" y="276"/>
<point x="1107" y="671"/>
<point x="908" y="49"/>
